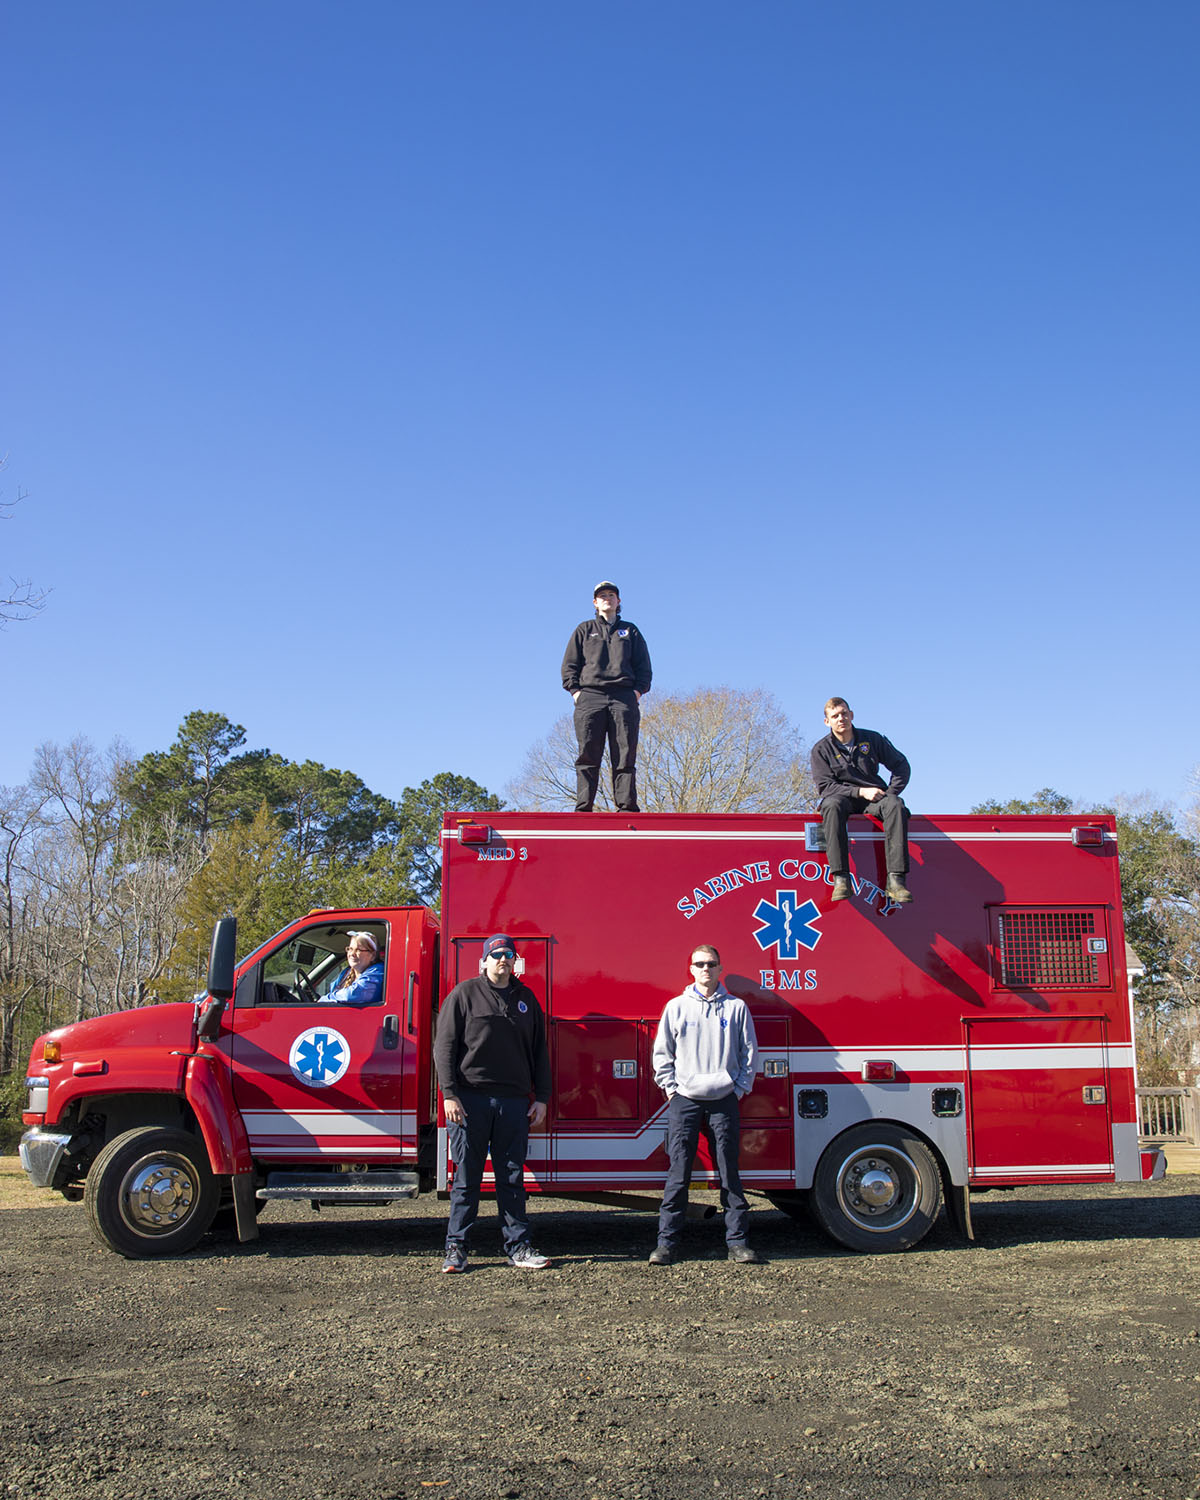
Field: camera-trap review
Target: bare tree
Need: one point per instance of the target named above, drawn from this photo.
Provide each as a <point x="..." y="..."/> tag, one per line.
<point x="80" y="801"/>
<point x="1180" y="917"/>
<point x="715" y="750"/>
<point x="109" y="887"/>
<point x="20" y="818"/>
<point x="152" y="869"/>
<point x="22" y="600"/>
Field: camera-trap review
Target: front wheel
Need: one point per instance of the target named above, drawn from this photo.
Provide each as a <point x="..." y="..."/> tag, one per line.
<point x="151" y="1192"/>
<point x="877" y="1187"/>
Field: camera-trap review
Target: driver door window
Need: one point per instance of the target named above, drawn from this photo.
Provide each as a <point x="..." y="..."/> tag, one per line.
<point x="304" y="970"/>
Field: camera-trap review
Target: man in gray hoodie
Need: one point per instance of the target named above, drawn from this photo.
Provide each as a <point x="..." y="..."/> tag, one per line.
<point x="704" y="1057"/>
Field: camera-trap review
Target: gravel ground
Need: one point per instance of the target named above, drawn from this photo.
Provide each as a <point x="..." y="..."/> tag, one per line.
<point x="1058" y="1355"/>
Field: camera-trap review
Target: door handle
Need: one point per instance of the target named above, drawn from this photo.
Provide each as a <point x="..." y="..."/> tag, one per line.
<point x="391" y="1033"/>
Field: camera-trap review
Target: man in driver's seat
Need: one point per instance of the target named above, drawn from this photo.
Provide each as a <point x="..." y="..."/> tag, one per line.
<point x="361" y="982"/>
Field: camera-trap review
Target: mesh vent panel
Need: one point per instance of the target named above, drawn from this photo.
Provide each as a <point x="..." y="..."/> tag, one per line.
<point x="1047" y="949"/>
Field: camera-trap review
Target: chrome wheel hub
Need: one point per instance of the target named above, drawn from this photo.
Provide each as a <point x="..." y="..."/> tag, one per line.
<point x="878" y="1189"/>
<point x="158" y="1196"/>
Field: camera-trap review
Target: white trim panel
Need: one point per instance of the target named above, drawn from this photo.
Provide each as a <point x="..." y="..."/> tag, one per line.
<point x="1063" y="1169"/>
<point x="277" y="1153"/>
<point x="1057" y="1055"/>
<point x="272" y="1122"/>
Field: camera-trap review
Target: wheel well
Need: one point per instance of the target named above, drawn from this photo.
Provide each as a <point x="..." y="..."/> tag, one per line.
<point x="100" y="1118"/>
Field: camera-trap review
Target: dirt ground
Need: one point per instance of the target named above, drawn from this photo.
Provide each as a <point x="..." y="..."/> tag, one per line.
<point x="1057" y="1356"/>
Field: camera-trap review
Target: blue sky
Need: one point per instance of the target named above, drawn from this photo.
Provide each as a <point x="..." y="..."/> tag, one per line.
<point x="348" y="346"/>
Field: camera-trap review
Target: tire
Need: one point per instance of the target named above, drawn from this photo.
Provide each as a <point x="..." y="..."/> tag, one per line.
<point x="877" y="1188"/>
<point x="151" y="1192"/>
<point x="793" y="1202"/>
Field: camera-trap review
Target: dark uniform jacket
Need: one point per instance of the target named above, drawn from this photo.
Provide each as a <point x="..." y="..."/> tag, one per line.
<point x="493" y="1040"/>
<point x="607" y="657"/>
<point x="838" y="769"/>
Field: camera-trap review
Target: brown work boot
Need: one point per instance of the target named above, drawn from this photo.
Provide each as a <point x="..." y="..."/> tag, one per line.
<point x="896" y="890"/>
<point x="841" y="888"/>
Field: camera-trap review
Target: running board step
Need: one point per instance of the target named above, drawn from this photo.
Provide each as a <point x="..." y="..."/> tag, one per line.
<point x="342" y="1187"/>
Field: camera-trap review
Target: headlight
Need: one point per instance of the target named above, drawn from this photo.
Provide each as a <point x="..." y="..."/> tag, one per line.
<point x="39" y="1095"/>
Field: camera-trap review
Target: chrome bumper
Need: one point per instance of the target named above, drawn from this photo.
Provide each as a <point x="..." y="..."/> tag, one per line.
<point x="41" y="1152"/>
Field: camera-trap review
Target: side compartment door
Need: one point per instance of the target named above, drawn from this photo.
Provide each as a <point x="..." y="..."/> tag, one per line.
<point x="1038" y="1091"/>
<point x="768" y="1140"/>
<point x="316" y="1079"/>
<point x="601" y="1086"/>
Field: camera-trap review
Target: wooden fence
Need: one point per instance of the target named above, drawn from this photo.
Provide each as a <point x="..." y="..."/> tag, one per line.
<point x="1169" y="1117"/>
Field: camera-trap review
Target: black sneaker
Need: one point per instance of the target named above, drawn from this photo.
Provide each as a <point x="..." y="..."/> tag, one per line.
<point x="662" y="1255"/>
<point x="745" y="1256"/>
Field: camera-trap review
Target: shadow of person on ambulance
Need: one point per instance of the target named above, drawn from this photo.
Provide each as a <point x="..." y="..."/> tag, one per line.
<point x="946" y="936"/>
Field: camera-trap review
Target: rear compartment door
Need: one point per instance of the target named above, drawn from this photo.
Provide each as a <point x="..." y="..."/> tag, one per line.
<point x="1039" y="1099"/>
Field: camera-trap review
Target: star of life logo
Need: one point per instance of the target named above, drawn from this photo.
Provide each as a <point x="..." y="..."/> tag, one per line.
<point x="787" y="924"/>
<point x="319" y="1056"/>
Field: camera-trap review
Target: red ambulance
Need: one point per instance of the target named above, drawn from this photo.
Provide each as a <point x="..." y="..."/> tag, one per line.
<point x="981" y="1037"/>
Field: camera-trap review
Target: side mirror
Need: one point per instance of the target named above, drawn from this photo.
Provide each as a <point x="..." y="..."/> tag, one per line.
<point x="222" y="958"/>
<point x="208" y="1027"/>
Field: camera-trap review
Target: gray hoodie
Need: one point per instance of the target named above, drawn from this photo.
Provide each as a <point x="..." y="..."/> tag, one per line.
<point x="705" y="1047"/>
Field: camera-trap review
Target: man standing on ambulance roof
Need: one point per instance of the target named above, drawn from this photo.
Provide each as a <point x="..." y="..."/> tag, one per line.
<point x="845" y="767"/>
<point x="606" y="670"/>
<point x="704" y="1058"/>
<point x="491" y="1056"/>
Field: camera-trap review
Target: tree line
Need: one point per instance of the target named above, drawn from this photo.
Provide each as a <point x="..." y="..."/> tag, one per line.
<point x="113" y="869"/>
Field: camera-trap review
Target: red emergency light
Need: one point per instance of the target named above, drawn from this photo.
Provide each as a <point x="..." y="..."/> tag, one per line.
<point x="1087" y="834"/>
<point x="474" y="833"/>
<point x="879" y="1070"/>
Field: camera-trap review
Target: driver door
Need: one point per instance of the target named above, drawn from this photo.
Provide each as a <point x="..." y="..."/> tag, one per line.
<point x="315" y="1079"/>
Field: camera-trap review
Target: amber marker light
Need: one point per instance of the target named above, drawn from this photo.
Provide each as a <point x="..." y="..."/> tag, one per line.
<point x="52" y="1052"/>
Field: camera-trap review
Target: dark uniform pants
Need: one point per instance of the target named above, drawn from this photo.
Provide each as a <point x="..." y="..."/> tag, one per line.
<point x="498" y="1127"/>
<point x="684" y="1119"/>
<point x="837" y="808"/>
<point x="612" y="719"/>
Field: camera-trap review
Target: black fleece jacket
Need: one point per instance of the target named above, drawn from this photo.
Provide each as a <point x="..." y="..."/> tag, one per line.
<point x="606" y="657"/>
<point x="839" y="769"/>
<point x="493" y="1040"/>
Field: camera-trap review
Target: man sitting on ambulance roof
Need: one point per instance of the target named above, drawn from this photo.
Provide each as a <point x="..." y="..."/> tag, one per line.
<point x="845" y="767"/>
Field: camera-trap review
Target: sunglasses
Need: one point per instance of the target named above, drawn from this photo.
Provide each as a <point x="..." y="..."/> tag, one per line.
<point x="705" y="963"/>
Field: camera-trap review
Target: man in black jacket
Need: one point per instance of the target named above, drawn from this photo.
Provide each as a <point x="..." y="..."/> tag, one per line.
<point x="606" y="670"/>
<point x="845" y="767"/>
<point x="491" y="1057"/>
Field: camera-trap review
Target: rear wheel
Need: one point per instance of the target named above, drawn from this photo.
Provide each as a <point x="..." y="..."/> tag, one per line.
<point x="151" y="1192"/>
<point x="877" y="1187"/>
